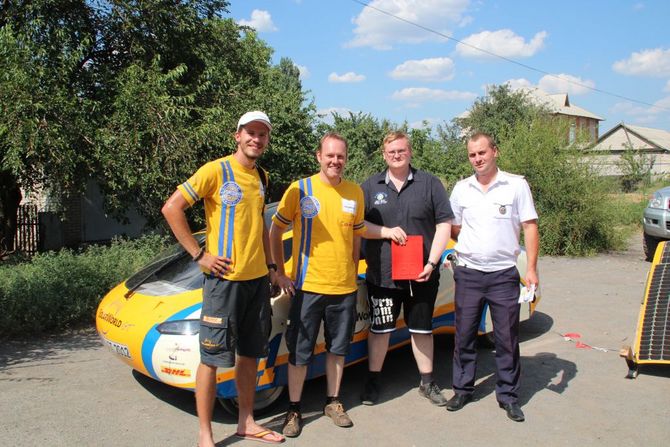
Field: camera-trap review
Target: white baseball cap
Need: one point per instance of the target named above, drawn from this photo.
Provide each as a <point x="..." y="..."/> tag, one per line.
<point x="256" y="115"/>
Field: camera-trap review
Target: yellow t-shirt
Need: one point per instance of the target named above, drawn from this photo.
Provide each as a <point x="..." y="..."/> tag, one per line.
<point x="325" y="219"/>
<point x="234" y="199"/>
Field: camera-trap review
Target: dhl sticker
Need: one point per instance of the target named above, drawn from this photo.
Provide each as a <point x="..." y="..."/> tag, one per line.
<point x="180" y="372"/>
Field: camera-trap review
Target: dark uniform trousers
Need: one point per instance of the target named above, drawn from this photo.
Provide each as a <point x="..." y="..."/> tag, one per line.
<point x="500" y="290"/>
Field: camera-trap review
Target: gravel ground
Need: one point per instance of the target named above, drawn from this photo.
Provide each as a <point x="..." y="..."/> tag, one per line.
<point x="67" y="390"/>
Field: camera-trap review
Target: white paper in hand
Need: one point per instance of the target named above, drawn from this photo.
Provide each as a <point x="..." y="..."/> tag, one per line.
<point x="527" y="294"/>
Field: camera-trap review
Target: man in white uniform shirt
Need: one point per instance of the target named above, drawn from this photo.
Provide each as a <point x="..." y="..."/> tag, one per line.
<point x="490" y="209"/>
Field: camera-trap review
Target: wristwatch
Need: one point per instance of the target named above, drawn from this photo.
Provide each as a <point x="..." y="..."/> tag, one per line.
<point x="199" y="254"/>
<point x="272" y="267"/>
<point x="432" y="264"/>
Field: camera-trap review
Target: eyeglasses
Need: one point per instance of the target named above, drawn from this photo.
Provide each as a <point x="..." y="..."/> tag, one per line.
<point x="399" y="153"/>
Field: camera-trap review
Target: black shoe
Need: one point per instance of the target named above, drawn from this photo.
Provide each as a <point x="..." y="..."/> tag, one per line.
<point x="458" y="401"/>
<point x="432" y="392"/>
<point x="513" y="411"/>
<point x="370" y="394"/>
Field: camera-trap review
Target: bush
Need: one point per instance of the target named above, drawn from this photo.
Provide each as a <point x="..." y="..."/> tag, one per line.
<point x="59" y="289"/>
<point x="575" y="211"/>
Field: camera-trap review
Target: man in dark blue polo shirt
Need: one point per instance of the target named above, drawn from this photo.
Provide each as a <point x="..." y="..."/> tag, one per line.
<point x="402" y="201"/>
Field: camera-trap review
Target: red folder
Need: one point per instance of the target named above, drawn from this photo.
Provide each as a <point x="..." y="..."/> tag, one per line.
<point x="407" y="260"/>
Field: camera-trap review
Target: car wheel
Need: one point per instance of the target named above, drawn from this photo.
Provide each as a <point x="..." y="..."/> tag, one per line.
<point x="262" y="402"/>
<point x="649" y="244"/>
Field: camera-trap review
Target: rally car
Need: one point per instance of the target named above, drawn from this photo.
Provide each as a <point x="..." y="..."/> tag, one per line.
<point x="151" y="321"/>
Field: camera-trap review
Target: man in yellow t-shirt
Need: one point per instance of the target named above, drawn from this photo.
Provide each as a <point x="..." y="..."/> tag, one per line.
<point x="235" y="316"/>
<point x="327" y="216"/>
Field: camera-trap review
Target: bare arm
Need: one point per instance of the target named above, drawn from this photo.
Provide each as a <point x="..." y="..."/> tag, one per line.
<point x="531" y="237"/>
<point x="374" y="231"/>
<point x="277" y="251"/>
<point x="268" y="253"/>
<point x="174" y="211"/>
<point x="442" y="233"/>
<point x="356" y="253"/>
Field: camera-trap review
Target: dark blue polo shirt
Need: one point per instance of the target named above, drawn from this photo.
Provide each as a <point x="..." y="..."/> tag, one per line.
<point x="421" y="203"/>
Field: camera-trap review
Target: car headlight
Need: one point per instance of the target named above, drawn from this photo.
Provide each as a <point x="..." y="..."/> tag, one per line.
<point x="179" y="327"/>
<point x="656" y="202"/>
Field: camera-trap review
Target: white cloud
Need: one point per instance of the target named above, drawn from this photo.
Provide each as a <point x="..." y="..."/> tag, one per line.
<point x="516" y="84"/>
<point x="261" y="21"/>
<point x="465" y="21"/>
<point x="638" y="6"/>
<point x="502" y="43"/>
<point x="565" y="83"/>
<point x="651" y="62"/>
<point x="346" y="77"/>
<point x="304" y="72"/>
<point x="421" y="94"/>
<point x="642" y="114"/>
<point x="667" y="86"/>
<point x="663" y="102"/>
<point x="436" y="69"/>
<point x="381" y="31"/>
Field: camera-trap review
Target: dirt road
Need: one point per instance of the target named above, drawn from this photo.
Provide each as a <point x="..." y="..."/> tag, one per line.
<point x="68" y="391"/>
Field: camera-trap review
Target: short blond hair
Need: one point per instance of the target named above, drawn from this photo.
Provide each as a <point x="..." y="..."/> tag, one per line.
<point x="396" y="135"/>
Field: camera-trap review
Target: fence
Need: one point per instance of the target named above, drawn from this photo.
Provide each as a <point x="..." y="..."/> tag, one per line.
<point x="27" y="230"/>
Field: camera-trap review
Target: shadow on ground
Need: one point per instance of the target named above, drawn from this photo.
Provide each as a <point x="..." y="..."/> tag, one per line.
<point x="399" y="377"/>
<point x="51" y="348"/>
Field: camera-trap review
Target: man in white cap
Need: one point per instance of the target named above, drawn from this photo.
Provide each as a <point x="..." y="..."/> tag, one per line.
<point x="236" y="262"/>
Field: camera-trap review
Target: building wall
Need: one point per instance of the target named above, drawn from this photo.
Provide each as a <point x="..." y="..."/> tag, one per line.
<point x="99" y="226"/>
<point x="83" y="221"/>
<point x="607" y="164"/>
<point x="580" y="124"/>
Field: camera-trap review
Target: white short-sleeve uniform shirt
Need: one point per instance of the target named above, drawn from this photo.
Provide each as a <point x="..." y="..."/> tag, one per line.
<point x="491" y="221"/>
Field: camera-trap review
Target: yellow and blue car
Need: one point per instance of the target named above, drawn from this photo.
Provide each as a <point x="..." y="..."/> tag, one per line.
<point x="151" y="321"/>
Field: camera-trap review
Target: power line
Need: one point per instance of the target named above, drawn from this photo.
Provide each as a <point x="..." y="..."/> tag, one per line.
<point x="506" y="59"/>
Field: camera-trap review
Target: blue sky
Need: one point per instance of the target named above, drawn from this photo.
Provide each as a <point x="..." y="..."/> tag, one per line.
<point x="355" y="58"/>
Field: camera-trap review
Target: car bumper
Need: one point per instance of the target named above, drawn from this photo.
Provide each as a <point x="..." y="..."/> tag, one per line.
<point x="656" y="222"/>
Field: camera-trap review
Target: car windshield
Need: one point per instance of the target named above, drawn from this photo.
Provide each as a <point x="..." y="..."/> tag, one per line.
<point x="173" y="271"/>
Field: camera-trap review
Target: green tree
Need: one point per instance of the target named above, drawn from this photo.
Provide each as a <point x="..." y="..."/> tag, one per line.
<point x="45" y="115"/>
<point x="293" y="142"/>
<point x="499" y="112"/>
<point x="572" y="202"/>
<point x="136" y="95"/>
<point x="574" y="212"/>
<point x="635" y="167"/>
<point x="364" y="134"/>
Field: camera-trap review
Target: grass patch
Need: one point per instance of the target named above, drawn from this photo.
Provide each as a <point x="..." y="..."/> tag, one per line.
<point x="57" y="290"/>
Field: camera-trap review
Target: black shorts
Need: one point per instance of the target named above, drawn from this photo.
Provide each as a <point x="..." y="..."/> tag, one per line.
<point x="235" y="318"/>
<point x="338" y="312"/>
<point x="385" y="307"/>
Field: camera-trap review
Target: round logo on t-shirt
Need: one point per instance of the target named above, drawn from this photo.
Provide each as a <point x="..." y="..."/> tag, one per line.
<point x="381" y="198"/>
<point x="231" y="193"/>
<point x="309" y="207"/>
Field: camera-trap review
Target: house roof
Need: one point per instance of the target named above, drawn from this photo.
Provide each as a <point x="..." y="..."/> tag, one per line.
<point x="624" y="135"/>
<point x="558" y="103"/>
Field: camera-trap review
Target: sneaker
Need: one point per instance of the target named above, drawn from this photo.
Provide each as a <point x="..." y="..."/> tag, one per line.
<point x="433" y="394"/>
<point x="335" y="411"/>
<point x="292" y="424"/>
<point x="370" y="394"/>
